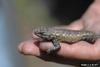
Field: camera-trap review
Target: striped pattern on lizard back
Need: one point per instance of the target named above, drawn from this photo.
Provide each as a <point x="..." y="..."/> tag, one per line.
<point x="71" y="36"/>
<point x="65" y="35"/>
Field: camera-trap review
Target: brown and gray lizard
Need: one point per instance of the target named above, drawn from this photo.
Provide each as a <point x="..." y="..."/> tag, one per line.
<point x="57" y="35"/>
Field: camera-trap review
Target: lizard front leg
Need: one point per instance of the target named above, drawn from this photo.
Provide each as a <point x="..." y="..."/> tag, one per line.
<point x="56" y="46"/>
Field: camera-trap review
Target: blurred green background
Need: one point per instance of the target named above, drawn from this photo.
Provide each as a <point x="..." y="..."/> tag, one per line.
<point x="18" y="17"/>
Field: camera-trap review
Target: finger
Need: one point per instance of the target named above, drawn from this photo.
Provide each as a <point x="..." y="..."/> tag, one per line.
<point x="29" y="48"/>
<point x="76" y="25"/>
<point x="81" y="50"/>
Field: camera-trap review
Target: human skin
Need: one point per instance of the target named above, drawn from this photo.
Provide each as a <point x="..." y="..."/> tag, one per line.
<point x="80" y="50"/>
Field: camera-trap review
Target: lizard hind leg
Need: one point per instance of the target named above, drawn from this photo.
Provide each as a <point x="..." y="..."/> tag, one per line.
<point x="56" y="47"/>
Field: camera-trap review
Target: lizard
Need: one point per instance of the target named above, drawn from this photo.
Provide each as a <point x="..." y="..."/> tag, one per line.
<point x="57" y="35"/>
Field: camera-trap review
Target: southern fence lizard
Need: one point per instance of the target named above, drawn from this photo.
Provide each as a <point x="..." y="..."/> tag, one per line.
<point x="57" y="35"/>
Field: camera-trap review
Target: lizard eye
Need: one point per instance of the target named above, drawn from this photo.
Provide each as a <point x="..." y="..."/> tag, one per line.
<point x="39" y="34"/>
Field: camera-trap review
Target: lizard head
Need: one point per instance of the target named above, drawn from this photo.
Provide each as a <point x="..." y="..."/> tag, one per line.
<point x="41" y="32"/>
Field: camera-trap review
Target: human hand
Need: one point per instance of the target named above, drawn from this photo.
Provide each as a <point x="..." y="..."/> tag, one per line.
<point x="81" y="50"/>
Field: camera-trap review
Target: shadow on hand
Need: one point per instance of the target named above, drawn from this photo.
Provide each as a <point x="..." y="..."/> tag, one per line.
<point x="58" y="59"/>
